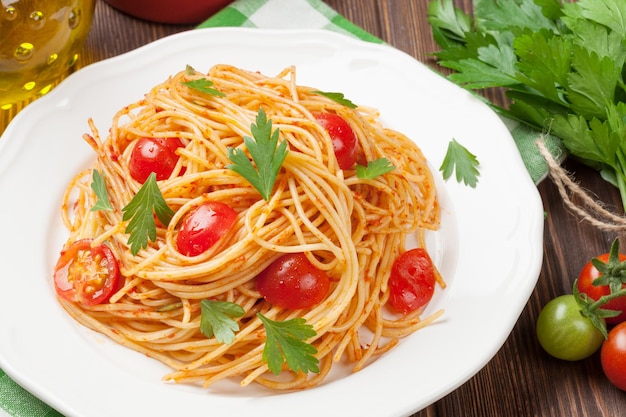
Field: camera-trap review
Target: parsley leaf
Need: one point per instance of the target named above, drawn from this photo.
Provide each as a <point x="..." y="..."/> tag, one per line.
<point x="99" y="188"/>
<point x="466" y="165"/>
<point x="337" y="98"/>
<point x="374" y="169"/>
<point x="515" y="16"/>
<point x="266" y="153"/>
<point x="216" y="319"/>
<point x="610" y="13"/>
<point x="449" y="19"/>
<point x="204" y="86"/>
<point x="140" y="211"/>
<point x="285" y="343"/>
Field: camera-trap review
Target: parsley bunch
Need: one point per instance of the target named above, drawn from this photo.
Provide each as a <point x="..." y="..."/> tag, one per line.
<point x="561" y="65"/>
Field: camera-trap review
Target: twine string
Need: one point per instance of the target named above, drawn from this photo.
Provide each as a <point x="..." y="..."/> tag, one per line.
<point x="589" y="209"/>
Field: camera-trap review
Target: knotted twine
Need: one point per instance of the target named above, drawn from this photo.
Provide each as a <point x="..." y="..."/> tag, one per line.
<point x="577" y="199"/>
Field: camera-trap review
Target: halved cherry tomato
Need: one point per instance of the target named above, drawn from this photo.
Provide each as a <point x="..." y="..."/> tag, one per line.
<point x="203" y="226"/>
<point x="293" y="282"/>
<point x="585" y="285"/>
<point x="412" y="281"/>
<point x="156" y="155"/>
<point x="87" y="275"/>
<point x="343" y="137"/>
<point x="613" y="356"/>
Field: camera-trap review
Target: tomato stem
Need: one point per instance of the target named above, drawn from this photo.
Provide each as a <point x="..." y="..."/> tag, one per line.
<point x="606" y="298"/>
<point x="613" y="275"/>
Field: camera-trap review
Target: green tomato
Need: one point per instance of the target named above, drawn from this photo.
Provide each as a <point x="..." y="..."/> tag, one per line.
<point x="564" y="332"/>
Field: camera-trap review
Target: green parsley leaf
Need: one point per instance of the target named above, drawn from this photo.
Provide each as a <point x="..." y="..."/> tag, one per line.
<point x="450" y="19"/>
<point x="610" y="13"/>
<point x="285" y="342"/>
<point x="216" y="319"/>
<point x="463" y="161"/>
<point x="99" y="188"/>
<point x="513" y="16"/>
<point x="374" y="169"/>
<point x="140" y="211"/>
<point x="204" y="86"/>
<point x="336" y="97"/>
<point x="267" y="154"/>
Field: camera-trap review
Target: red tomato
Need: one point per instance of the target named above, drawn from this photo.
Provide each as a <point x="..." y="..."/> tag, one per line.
<point x="613" y="356"/>
<point x="87" y="275"/>
<point x="156" y="155"/>
<point x="585" y="284"/>
<point x="203" y="226"/>
<point x="343" y="137"/>
<point x="412" y="281"/>
<point x="293" y="282"/>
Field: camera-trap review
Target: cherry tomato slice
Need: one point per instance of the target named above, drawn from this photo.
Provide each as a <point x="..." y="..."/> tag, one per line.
<point x="613" y="356"/>
<point x="87" y="275"/>
<point x="585" y="284"/>
<point x="203" y="226"/>
<point x="342" y="136"/>
<point x="293" y="282"/>
<point x="412" y="281"/>
<point x="156" y="155"/>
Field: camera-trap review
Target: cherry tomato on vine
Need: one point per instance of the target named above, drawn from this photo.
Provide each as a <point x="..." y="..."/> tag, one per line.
<point x="343" y="137"/>
<point x="613" y="356"/>
<point x="87" y="275"/>
<point x="203" y="226"/>
<point x="156" y="155"/>
<point x="564" y="332"/>
<point x="585" y="285"/>
<point x="412" y="281"/>
<point x="293" y="282"/>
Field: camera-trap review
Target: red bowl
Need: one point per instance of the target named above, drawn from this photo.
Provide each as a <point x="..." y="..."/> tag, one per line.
<point x="170" y="11"/>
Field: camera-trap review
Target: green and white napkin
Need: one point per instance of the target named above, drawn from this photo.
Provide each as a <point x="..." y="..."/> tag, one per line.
<point x="280" y="14"/>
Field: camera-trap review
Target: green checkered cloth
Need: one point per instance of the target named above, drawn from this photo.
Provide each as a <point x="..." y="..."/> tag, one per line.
<point x="280" y="14"/>
<point x="16" y="401"/>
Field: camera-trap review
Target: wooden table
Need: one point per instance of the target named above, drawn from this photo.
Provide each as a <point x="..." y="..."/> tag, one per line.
<point x="521" y="380"/>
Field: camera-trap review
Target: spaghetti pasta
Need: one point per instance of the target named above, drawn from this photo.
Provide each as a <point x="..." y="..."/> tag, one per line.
<point x="351" y="228"/>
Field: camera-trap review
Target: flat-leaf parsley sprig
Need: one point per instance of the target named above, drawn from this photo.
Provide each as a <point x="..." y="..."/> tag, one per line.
<point x="374" y="169"/>
<point x="286" y="343"/>
<point x="202" y="85"/>
<point x="217" y="319"/>
<point x="268" y="156"/>
<point x="98" y="186"/>
<point x="140" y="213"/>
<point x="338" y="98"/>
<point x="465" y="163"/>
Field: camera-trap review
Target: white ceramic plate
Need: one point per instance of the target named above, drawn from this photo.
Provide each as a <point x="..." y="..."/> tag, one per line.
<point x="500" y="222"/>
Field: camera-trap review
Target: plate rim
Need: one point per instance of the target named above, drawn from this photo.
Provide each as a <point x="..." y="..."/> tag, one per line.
<point x="56" y="96"/>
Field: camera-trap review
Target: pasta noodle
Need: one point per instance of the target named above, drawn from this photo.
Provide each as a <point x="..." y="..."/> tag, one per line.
<point x="351" y="228"/>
